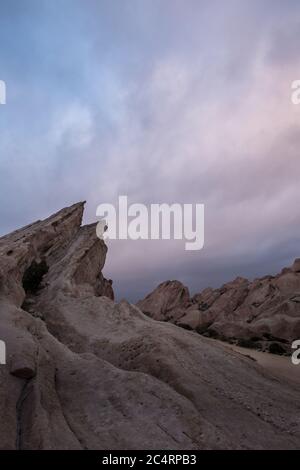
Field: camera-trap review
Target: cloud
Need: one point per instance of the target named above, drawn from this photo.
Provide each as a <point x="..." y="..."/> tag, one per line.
<point x="72" y="127"/>
<point x="166" y="102"/>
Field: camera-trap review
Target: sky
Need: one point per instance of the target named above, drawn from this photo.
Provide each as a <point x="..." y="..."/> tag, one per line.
<point x="165" y="101"/>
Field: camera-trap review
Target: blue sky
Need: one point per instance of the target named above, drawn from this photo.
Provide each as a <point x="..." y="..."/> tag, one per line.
<point x="164" y="101"/>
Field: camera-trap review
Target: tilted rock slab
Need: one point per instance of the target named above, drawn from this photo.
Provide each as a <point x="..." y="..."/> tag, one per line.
<point x="263" y="314"/>
<point x="84" y="372"/>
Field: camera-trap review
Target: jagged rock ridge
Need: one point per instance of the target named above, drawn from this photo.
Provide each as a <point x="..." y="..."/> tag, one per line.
<point x="86" y="373"/>
<point x="263" y="314"/>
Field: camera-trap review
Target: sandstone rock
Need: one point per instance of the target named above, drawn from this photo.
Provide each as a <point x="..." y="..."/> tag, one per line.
<point x="101" y="375"/>
<point x="167" y="302"/>
<point x="296" y="266"/>
<point x="240" y="310"/>
<point x="105" y="287"/>
<point x="23" y="367"/>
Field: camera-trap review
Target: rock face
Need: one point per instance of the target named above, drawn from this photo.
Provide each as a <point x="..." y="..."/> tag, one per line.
<point x="84" y="372"/>
<point x="263" y="314"/>
<point x="168" y="302"/>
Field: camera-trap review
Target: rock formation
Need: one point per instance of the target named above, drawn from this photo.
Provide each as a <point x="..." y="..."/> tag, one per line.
<point x="263" y="314"/>
<point x="168" y="302"/>
<point x="84" y="372"/>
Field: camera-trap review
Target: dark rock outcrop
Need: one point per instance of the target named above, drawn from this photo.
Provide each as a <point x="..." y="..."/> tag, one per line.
<point x="84" y="372"/>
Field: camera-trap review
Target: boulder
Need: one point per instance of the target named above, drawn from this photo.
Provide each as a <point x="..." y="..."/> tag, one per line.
<point x="167" y="302"/>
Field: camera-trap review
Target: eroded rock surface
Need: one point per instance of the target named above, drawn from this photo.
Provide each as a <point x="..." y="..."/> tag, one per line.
<point x="263" y="314"/>
<point x="84" y="372"/>
<point x="168" y="302"/>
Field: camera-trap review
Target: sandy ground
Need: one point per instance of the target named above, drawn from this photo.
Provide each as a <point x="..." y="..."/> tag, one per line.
<point x="279" y="366"/>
